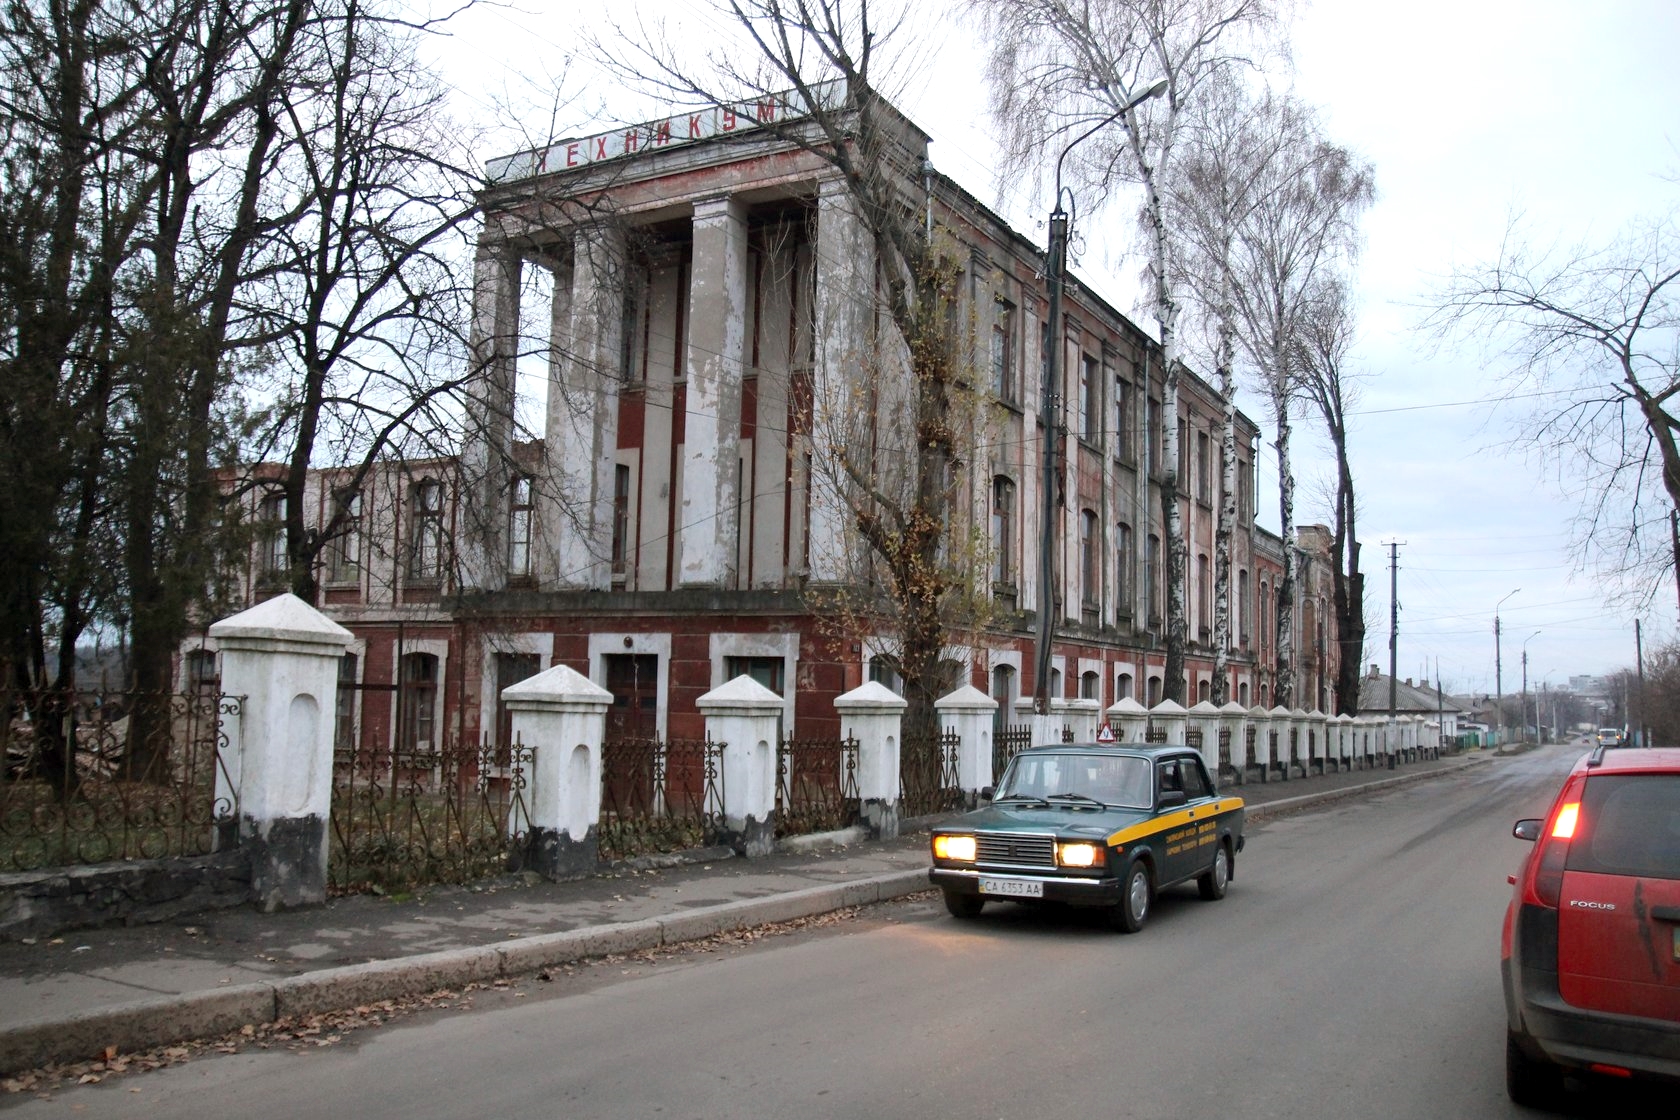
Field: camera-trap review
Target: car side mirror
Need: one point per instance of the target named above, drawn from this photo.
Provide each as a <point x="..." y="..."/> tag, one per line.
<point x="1172" y="798"/>
<point x="986" y="793"/>
<point x="1527" y="829"/>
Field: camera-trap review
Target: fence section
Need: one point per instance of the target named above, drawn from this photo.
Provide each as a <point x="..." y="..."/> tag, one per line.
<point x="1006" y="744"/>
<point x="927" y="774"/>
<point x="92" y="777"/>
<point x="409" y="818"/>
<point x="659" y="796"/>
<point x="816" y="785"/>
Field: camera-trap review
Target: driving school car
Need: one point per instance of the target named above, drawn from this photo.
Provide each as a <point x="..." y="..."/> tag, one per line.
<point x="1092" y="825"/>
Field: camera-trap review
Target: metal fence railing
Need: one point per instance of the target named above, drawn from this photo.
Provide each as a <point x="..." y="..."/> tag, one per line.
<point x="659" y="796"/>
<point x="816" y="785"/>
<point x="927" y="774"/>
<point x="1008" y="742"/>
<point x="93" y="776"/>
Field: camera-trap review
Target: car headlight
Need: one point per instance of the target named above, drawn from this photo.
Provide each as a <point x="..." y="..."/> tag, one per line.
<point x="1080" y="854"/>
<point x="960" y="848"/>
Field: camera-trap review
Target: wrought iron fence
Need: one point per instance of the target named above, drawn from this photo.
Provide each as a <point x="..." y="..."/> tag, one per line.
<point x="1155" y="733"/>
<point x="1006" y="744"/>
<point x="816" y="785"/>
<point x="1194" y="738"/>
<point x="411" y="817"/>
<point x="1225" y="766"/>
<point x="659" y="796"/>
<point x="92" y="777"/>
<point x="927" y="773"/>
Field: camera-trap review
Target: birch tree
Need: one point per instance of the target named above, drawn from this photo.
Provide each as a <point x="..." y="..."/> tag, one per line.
<point x="1058" y="68"/>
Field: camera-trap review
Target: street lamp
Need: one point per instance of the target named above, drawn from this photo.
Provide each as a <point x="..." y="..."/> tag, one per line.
<point x="1499" y="678"/>
<point x="1524" y="720"/>
<point x="1055" y="268"/>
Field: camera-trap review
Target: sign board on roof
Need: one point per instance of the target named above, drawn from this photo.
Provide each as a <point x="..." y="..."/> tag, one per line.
<point x="671" y="132"/>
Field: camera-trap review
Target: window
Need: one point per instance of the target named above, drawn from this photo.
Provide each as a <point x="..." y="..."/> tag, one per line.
<point x="1242" y="608"/>
<point x="200" y="671"/>
<point x="417" y="713"/>
<point x="1089" y="684"/>
<point x="883" y="669"/>
<point x="1152" y="575"/>
<point x="426" y="540"/>
<point x="1154" y="687"/>
<point x="1003" y="691"/>
<point x="1003" y="353"/>
<point x="344" y="554"/>
<point x="1157" y="436"/>
<point x="767" y="671"/>
<point x="1123" y="569"/>
<point x="1122" y="687"/>
<point x="519" y="527"/>
<point x="1090" y="399"/>
<point x="344" y="705"/>
<point x="511" y="668"/>
<point x="1183" y="456"/>
<point x="1265" y="616"/>
<point x="1243" y="491"/>
<point x="275" y="559"/>
<point x="1003" y="531"/>
<point x="621" y="522"/>
<point x="1056" y="683"/>
<point x="1204" y="489"/>
<point x="1122" y="425"/>
<point x="1090" y="581"/>
<point x="1204" y="597"/>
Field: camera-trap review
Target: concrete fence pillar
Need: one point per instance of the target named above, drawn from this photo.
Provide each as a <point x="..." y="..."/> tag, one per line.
<point x="1169" y="716"/>
<point x="1083" y="716"/>
<point x="969" y="713"/>
<point x="561" y="717"/>
<point x="1204" y="720"/>
<point x="873" y="715"/>
<point x="1318" y="728"/>
<point x="1343" y="735"/>
<point x="1260" y="719"/>
<point x="282" y="657"/>
<point x="1128" y="720"/>
<point x="1233" y="721"/>
<point x="1046" y="727"/>
<point x="1282" y="723"/>
<point x="743" y="716"/>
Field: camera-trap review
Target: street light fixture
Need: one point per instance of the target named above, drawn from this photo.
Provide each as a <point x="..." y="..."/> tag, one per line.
<point x="1499" y="678"/>
<point x="1524" y="720"/>
<point x="1055" y="268"/>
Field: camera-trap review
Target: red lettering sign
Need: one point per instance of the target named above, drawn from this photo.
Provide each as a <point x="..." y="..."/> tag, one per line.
<point x="571" y="155"/>
<point x="729" y="120"/>
<point x="693" y="126"/>
<point x="600" y="147"/>
<point x="767" y="111"/>
<point x="630" y="139"/>
<point x="662" y="134"/>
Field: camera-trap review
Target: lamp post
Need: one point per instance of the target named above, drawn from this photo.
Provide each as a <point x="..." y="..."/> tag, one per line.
<point x="1055" y="271"/>
<point x="1498" y="678"/>
<point x="1524" y="719"/>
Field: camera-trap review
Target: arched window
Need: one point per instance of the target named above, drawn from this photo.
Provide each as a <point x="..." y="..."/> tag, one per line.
<point x="1090" y="686"/>
<point x="1123" y="687"/>
<point x="1203" y="691"/>
<point x="1003" y="531"/>
<point x="1154" y="691"/>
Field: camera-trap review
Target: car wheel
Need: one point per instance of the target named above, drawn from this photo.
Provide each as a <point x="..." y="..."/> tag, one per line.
<point x="1531" y="1082"/>
<point x="1136" y="894"/>
<point x="1218" y="877"/>
<point x="963" y="905"/>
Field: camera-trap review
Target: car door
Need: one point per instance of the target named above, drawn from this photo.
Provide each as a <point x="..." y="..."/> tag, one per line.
<point x="1175" y="845"/>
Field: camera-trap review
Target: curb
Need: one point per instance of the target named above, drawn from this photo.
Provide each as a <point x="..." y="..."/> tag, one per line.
<point x="206" y="1014"/>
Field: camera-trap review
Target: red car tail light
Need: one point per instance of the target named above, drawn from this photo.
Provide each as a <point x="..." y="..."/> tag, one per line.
<point x="1545" y="877"/>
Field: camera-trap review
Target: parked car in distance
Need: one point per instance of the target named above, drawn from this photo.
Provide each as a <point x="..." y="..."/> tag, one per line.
<point x="1590" y="951"/>
<point x="1610" y="737"/>
<point x="1100" y="825"/>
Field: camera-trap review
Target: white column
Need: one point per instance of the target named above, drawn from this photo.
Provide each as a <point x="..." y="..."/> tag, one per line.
<point x="743" y="715"/>
<point x="580" y="444"/>
<point x="844" y="305"/>
<point x="1046" y="727"/>
<point x="873" y="715"/>
<point x="1169" y="715"/>
<point x="1128" y="720"/>
<point x="969" y="712"/>
<point x="282" y="657"/>
<point x="1083" y="717"/>
<point x="1261" y="720"/>
<point x="717" y="297"/>
<point x="561" y="716"/>
<point x="487" y="447"/>
<point x="1204" y="717"/>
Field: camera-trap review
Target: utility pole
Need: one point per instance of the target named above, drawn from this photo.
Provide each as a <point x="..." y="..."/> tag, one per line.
<point x="1393" y="637"/>
<point x="1639" y="653"/>
<point x="1499" y="679"/>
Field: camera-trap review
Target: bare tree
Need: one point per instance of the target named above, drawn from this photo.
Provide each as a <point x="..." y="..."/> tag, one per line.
<point x="1061" y="67"/>
<point x="1303" y="227"/>
<point x="890" y="433"/>
<point x="1589" y="331"/>
<point x="1327" y="334"/>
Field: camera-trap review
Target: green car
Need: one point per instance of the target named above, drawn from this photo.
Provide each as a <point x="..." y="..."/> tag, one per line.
<point x="1092" y="825"/>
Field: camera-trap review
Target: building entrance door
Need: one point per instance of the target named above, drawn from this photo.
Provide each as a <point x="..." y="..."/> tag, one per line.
<point x="633" y="680"/>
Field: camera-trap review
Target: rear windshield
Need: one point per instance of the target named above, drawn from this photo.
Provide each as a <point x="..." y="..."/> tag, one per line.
<point x="1632" y="826"/>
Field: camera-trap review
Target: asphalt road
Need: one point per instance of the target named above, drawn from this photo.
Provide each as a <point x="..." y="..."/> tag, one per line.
<point x="1352" y="971"/>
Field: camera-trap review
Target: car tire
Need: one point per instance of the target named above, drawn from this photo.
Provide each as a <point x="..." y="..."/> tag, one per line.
<point x="1212" y="884"/>
<point x="1137" y="894"/>
<point x="1531" y="1082"/>
<point x="963" y="905"/>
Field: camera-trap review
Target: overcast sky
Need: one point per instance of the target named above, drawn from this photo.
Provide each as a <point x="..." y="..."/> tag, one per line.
<point x="1470" y="110"/>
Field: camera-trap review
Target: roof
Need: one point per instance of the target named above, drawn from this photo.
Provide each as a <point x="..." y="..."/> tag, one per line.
<point x="1142" y="750"/>
<point x="1632" y="760"/>
<point x="1373" y="697"/>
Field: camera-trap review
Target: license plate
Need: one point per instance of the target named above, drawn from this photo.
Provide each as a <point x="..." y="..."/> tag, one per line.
<point x="1017" y="888"/>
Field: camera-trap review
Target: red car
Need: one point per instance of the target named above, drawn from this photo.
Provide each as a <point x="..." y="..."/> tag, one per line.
<point x="1591" y="947"/>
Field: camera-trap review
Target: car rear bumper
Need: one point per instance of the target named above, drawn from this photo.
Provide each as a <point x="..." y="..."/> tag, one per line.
<point x="1077" y="890"/>
<point x="1569" y="1036"/>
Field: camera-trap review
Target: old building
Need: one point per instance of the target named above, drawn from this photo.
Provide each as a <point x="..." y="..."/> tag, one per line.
<point x="703" y="303"/>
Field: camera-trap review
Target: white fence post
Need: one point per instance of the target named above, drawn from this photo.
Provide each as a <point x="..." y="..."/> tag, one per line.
<point x="743" y="716"/>
<point x="873" y="715"/>
<point x="1170" y="716"/>
<point x="282" y="657"/>
<point x="561" y="717"/>
<point x="1233" y="718"/>
<point x="1128" y="720"/>
<point x="969" y="713"/>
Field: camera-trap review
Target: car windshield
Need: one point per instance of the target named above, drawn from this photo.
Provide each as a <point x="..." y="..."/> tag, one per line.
<point x="1111" y="779"/>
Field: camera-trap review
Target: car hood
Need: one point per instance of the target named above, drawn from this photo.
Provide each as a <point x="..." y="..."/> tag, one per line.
<point x="1082" y="822"/>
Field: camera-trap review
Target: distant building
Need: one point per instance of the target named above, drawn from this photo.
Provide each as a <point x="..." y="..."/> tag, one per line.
<point x="1411" y="700"/>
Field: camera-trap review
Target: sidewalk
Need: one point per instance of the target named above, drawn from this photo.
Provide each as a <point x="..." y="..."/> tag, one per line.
<point x="70" y="997"/>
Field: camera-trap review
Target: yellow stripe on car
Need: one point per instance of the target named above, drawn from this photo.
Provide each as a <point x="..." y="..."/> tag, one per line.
<point x="1177" y="819"/>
